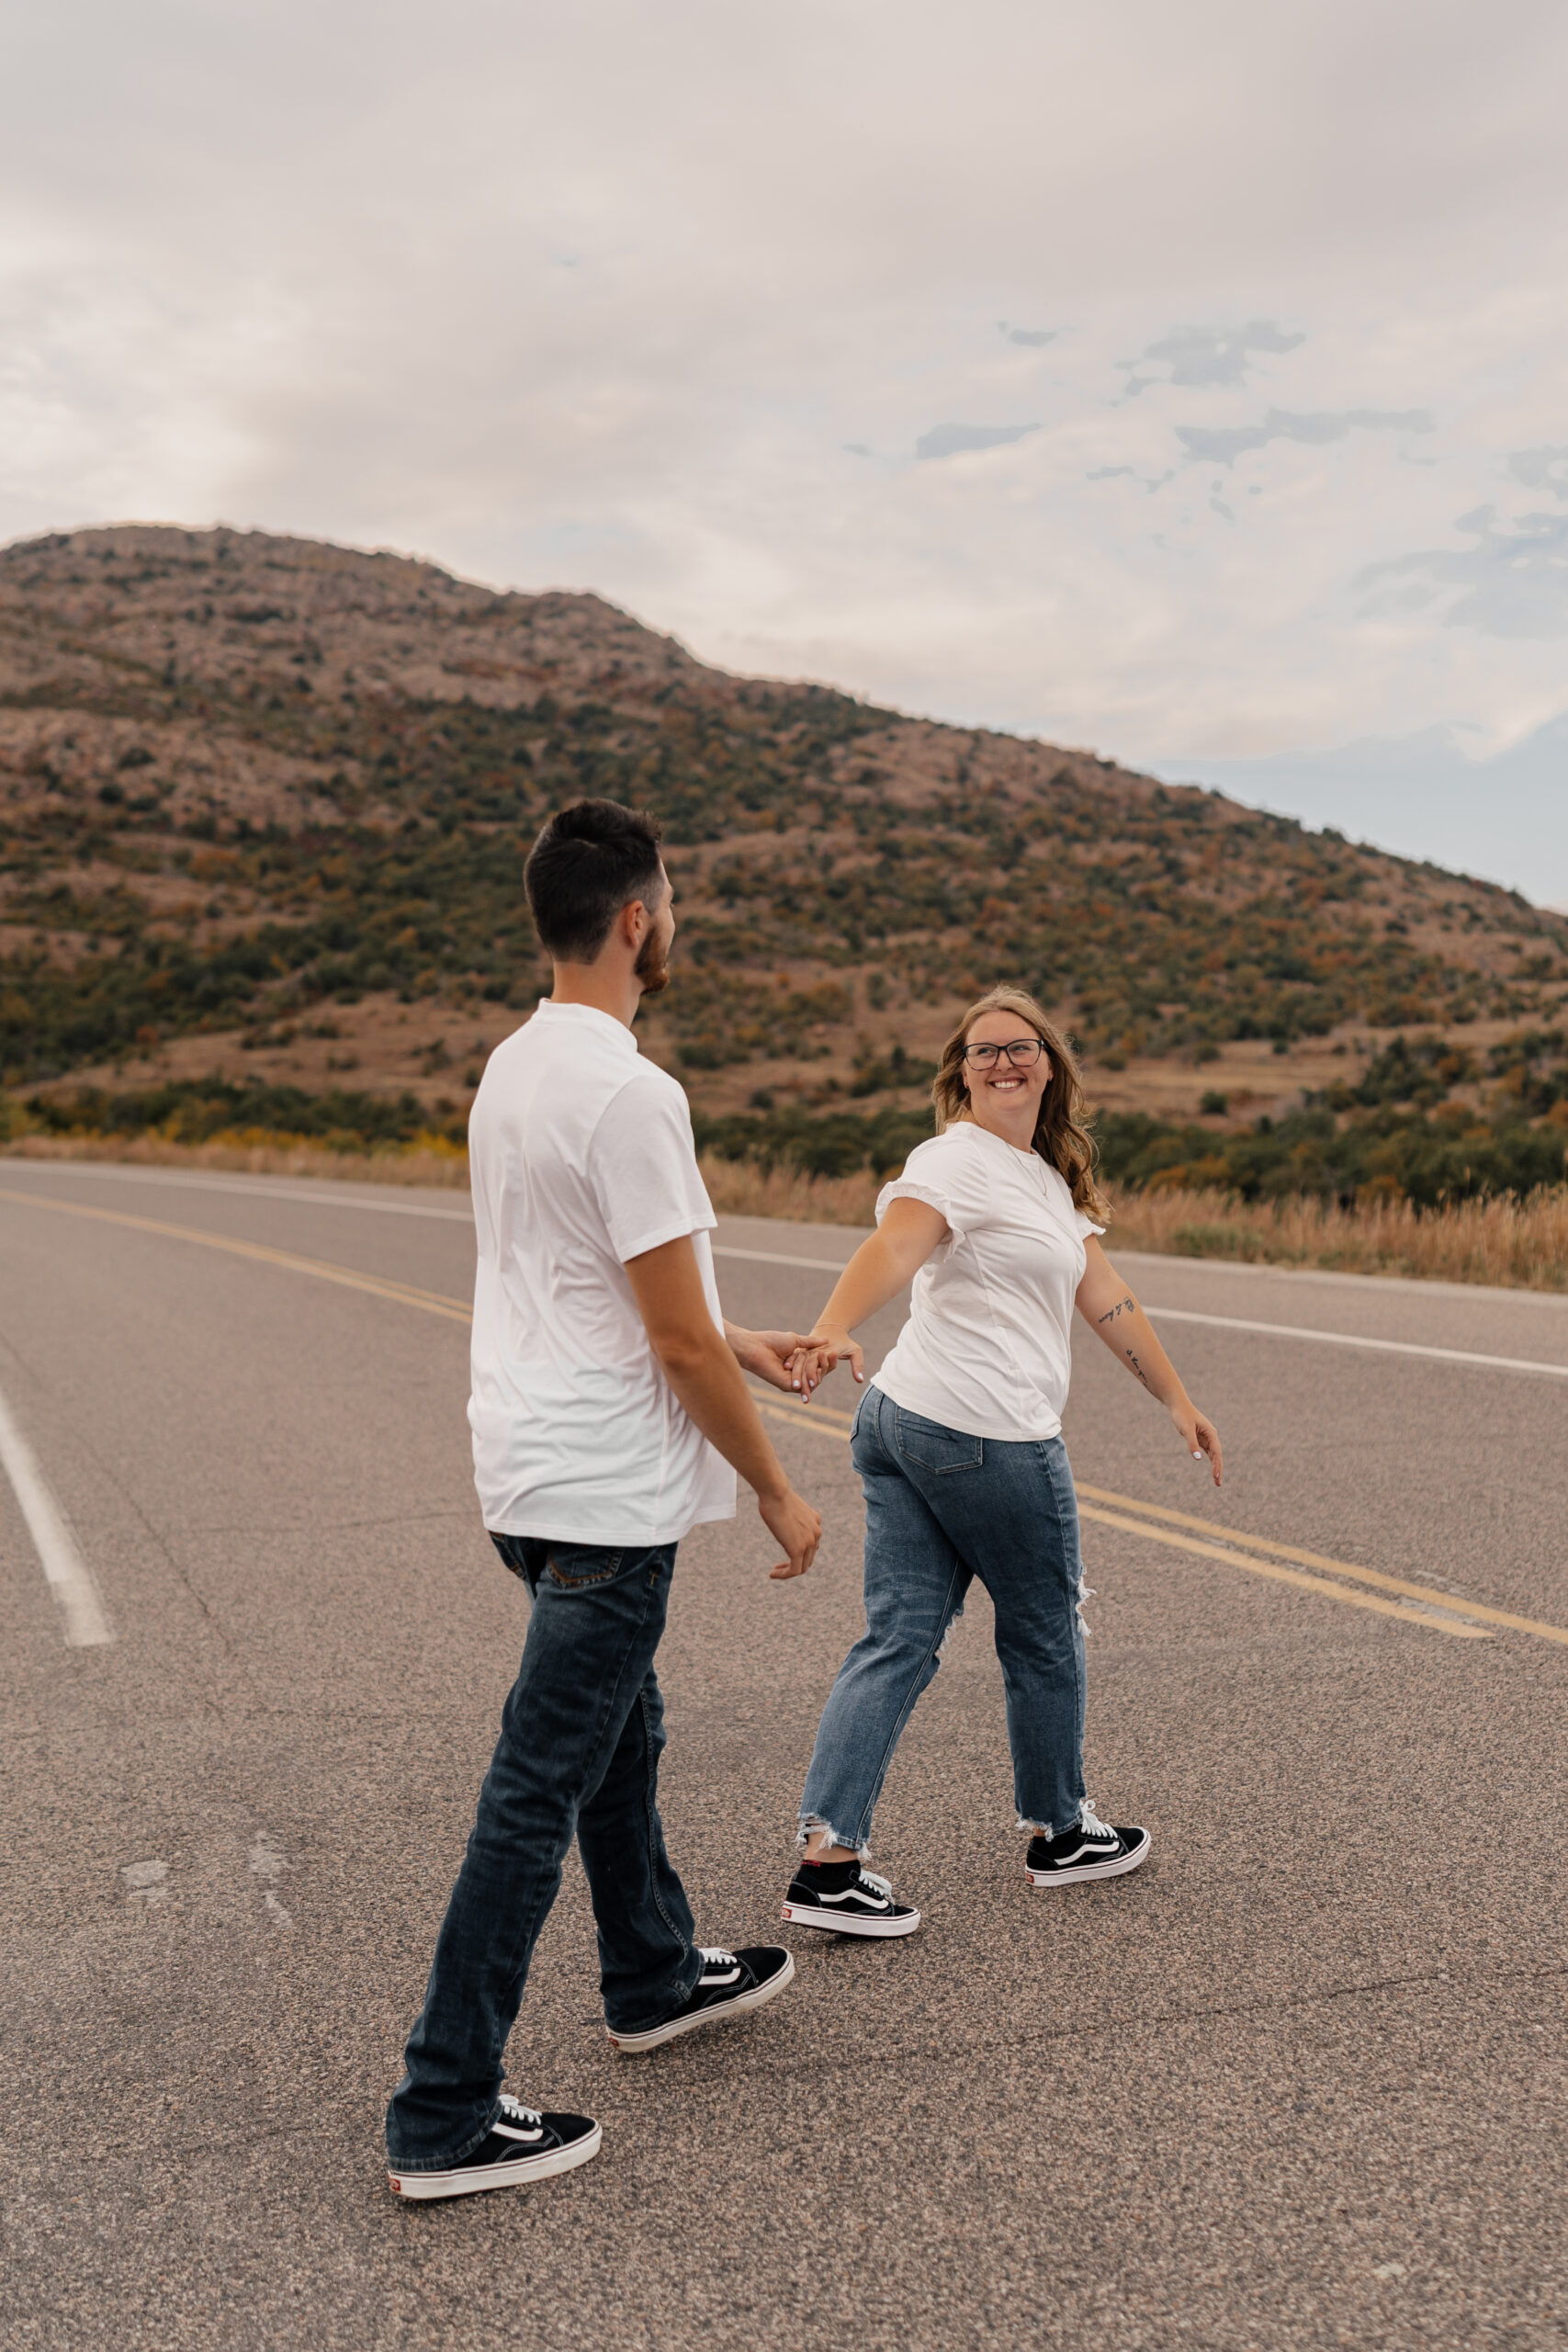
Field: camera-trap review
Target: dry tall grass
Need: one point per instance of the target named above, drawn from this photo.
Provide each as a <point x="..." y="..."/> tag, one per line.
<point x="1516" y="1244"/>
<point x="737" y="1189"/>
<point x="1520" y="1244"/>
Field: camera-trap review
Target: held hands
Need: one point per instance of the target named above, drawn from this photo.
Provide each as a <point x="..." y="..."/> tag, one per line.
<point x="1198" y="1434"/>
<point x="815" y="1358"/>
<point x="769" y="1354"/>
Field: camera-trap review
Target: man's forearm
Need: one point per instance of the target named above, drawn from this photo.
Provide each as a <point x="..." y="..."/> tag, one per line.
<point x="707" y="1380"/>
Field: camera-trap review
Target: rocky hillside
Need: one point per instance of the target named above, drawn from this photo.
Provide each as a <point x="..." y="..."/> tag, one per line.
<point x="264" y="803"/>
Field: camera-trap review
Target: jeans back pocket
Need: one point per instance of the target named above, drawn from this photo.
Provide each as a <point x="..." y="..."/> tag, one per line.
<point x="573" y="1566"/>
<point x="931" y="1447"/>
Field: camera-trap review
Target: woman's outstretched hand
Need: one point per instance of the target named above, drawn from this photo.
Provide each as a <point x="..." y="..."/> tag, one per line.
<point x="815" y="1358"/>
<point x="1197" y="1434"/>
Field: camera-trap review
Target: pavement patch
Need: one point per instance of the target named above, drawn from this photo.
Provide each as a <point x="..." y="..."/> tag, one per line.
<point x="454" y="1310"/>
<point x="1421" y="1606"/>
<point x="1418" y="1604"/>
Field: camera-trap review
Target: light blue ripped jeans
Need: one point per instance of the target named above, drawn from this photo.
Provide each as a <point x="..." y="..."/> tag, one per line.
<point x="942" y="1508"/>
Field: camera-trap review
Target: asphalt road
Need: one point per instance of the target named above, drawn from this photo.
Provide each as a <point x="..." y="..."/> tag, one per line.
<point x="1298" y="2082"/>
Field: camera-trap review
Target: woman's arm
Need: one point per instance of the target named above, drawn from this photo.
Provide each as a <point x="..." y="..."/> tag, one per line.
<point x="1111" y="1312"/>
<point x="877" y="1271"/>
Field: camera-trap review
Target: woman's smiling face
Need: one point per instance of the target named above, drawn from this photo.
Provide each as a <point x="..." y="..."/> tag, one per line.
<point x="1007" y="1097"/>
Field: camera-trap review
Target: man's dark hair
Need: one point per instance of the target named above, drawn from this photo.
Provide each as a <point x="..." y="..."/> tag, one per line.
<point x="590" y="861"/>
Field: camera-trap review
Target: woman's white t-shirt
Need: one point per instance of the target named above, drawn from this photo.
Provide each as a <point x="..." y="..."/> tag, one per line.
<point x="988" y="1347"/>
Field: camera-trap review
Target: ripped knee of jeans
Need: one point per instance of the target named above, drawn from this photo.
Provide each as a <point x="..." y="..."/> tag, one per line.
<point x="941" y="1645"/>
<point x="1084" y="1592"/>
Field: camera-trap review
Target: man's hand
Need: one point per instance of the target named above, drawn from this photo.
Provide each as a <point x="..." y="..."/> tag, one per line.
<point x="796" y="1525"/>
<point x="766" y="1354"/>
<point x="703" y="1367"/>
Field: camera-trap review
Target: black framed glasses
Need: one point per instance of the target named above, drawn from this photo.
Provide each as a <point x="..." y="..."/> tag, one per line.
<point x="1021" y="1052"/>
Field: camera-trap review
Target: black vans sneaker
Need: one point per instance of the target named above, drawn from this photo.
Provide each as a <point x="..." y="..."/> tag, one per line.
<point x="1094" y="1849"/>
<point x="520" y="2146"/>
<point x="848" y="1901"/>
<point x="731" y="1983"/>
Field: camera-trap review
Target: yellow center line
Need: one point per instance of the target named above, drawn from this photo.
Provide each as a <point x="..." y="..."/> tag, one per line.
<point x="1238" y="1559"/>
<point x="831" y="1423"/>
<point x="454" y="1310"/>
<point x="828" y="1422"/>
<point x="1421" y="1593"/>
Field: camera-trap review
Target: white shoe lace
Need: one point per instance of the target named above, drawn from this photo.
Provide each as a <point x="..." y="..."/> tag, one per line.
<point x="878" y="1885"/>
<point x="520" y="2119"/>
<point x="716" y="1956"/>
<point x="1090" y="1821"/>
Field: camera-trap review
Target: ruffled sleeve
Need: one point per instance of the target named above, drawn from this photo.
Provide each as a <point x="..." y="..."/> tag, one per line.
<point x="939" y="1173"/>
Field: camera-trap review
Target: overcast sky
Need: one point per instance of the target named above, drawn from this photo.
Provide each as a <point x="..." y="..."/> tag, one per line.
<point x="1188" y="383"/>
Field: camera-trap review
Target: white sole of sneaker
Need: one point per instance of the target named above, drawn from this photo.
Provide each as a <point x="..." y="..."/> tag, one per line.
<point x="1086" y="1873"/>
<point x="422" y="2185"/>
<point x="632" y="2046"/>
<point x="840" y="1923"/>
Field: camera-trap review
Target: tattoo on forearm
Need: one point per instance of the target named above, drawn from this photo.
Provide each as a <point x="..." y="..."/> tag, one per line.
<point x="1138" y="1368"/>
<point x="1128" y="1305"/>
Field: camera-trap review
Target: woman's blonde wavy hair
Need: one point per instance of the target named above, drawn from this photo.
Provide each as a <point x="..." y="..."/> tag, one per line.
<point x="1061" y="1134"/>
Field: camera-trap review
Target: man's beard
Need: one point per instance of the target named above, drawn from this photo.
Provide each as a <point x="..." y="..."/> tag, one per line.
<point x="652" y="965"/>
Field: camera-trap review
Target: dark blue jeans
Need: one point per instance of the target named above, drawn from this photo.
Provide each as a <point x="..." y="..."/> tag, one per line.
<point x="580" y="1737"/>
<point x="942" y="1508"/>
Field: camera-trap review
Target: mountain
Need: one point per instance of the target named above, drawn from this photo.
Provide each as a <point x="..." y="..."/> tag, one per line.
<point x="264" y="803"/>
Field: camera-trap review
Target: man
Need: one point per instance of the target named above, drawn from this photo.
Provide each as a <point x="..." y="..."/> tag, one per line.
<point x="609" y="1417"/>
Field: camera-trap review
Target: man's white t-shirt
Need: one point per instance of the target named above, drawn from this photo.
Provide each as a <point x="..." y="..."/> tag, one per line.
<point x="581" y="1156"/>
<point x="988" y="1348"/>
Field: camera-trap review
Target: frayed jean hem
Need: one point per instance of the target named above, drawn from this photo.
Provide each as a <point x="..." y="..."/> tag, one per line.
<point x="810" y="1823"/>
<point x="1039" y="1829"/>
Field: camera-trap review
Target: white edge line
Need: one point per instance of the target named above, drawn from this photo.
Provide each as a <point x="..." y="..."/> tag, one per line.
<point x="327" y="1193"/>
<point x="321" y="1192"/>
<point x="322" y="1196"/>
<point x="1238" y="1323"/>
<point x="772" y="1258"/>
<point x="1350" y="1339"/>
<point x="67" y="1571"/>
<point x="1390" y="1286"/>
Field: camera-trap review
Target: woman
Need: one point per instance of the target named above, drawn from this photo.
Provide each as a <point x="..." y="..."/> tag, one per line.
<point x="959" y="1449"/>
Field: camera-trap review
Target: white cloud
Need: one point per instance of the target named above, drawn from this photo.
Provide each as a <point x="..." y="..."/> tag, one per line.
<point x="664" y="302"/>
